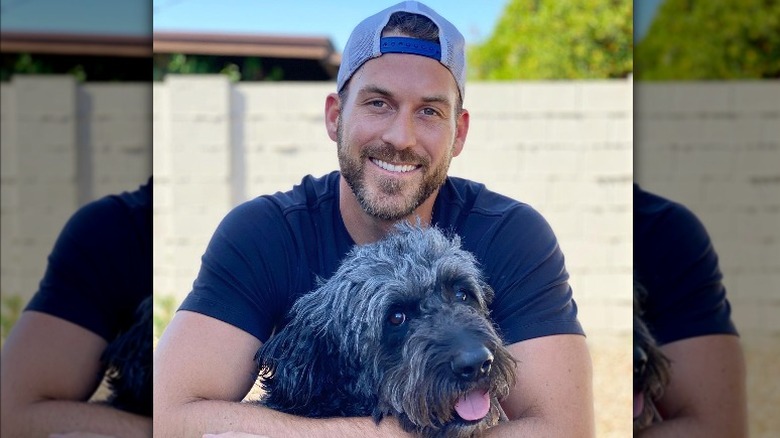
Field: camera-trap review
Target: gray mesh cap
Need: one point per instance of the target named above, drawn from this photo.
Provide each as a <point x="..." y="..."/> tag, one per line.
<point x="366" y="42"/>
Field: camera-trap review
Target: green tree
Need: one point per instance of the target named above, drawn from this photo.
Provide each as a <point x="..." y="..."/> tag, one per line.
<point x="711" y="39"/>
<point x="554" y="39"/>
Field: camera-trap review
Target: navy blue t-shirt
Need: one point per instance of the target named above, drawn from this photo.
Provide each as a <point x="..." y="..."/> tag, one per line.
<point x="101" y="266"/>
<point x="675" y="261"/>
<point x="269" y="251"/>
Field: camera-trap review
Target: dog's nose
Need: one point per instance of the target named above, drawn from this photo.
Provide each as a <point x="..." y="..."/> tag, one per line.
<point x="472" y="363"/>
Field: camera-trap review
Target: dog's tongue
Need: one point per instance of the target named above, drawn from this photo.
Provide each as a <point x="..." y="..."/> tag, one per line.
<point x="473" y="406"/>
<point x="639" y="404"/>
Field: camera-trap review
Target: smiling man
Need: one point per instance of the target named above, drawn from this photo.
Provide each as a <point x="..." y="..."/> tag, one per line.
<point x="398" y="120"/>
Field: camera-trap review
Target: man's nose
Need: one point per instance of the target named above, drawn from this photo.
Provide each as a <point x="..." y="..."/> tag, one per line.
<point x="401" y="131"/>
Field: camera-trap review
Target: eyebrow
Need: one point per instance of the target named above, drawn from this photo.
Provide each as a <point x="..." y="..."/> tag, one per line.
<point x="436" y="98"/>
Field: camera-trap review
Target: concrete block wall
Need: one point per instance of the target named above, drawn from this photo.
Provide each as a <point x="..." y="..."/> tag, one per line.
<point x="63" y="145"/>
<point x="562" y="147"/>
<point x="715" y="147"/>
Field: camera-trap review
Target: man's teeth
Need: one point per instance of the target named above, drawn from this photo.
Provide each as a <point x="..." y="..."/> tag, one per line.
<point x="393" y="167"/>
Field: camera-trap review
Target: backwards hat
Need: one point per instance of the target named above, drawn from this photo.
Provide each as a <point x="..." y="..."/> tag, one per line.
<point x="366" y="42"/>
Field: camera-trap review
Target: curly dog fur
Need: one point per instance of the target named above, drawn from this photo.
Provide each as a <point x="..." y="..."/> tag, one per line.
<point x="128" y="362"/>
<point x="401" y="329"/>
<point x="651" y="368"/>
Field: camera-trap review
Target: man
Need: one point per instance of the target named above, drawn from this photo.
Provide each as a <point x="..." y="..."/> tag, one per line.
<point x="398" y="121"/>
<point x="98" y="273"/>
<point x="688" y="314"/>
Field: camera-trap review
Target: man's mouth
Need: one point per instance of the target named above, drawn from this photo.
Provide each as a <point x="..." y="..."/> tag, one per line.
<point x="396" y="168"/>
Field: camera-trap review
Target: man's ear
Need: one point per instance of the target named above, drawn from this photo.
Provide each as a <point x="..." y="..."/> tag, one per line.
<point x="332" y="114"/>
<point x="461" y="131"/>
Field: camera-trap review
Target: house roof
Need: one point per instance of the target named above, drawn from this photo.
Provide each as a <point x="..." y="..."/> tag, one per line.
<point x="75" y="44"/>
<point x="318" y="49"/>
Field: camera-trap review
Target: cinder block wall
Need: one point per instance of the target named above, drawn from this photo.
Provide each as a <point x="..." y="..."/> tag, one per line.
<point x="63" y="145"/>
<point x="562" y="147"/>
<point x="715" y="147"/>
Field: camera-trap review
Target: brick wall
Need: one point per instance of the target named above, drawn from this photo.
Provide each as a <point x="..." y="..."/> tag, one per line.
<point x="715" y="147"/>
<point x="63" y="144"/>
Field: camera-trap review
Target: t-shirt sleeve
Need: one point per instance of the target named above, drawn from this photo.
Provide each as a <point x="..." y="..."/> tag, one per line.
<point x="525" y="267"/>
<point x="677" y="264"/>
<point x="92" y="275"/>
<point x="247" y="269"/>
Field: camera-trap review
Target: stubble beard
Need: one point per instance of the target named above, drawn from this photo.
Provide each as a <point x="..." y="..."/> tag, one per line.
<point x="385" y="200"/>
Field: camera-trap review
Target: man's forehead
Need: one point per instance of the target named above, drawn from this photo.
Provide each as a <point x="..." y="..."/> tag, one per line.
<point x="381" y="75"/>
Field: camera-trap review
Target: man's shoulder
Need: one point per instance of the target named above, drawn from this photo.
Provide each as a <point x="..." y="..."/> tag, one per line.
<point x="308" y="194"/>
<point x="474" y="198"/>
<point x="484" y="218"/>
<point x="662" y="225"/>
<point x="275" y="216"/>
<point x="113" y="222"/>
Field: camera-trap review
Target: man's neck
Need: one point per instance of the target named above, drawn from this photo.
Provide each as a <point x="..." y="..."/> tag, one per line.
<point x="364" y="228"/>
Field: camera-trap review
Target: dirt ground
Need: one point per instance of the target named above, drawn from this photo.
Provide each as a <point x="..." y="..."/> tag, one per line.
<point x="763" y="384"/>
<point x="612" y="381"/>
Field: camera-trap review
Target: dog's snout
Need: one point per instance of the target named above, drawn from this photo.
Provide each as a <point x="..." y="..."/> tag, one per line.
<point x="472" y="363"/>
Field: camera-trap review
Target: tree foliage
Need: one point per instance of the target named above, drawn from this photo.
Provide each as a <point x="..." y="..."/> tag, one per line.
<point x="711" y="39"/>
<point x="554" y="39"/>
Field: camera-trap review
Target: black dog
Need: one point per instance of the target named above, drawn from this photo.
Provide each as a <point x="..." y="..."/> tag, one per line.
<point x="128" y="362"/>
<point x="401" y="329"/>
<point x="651" y="368"/>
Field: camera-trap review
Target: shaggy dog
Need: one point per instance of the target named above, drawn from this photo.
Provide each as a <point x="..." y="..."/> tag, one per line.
<point x="128" y="362"/>
<point x="401" y="329"/>
<point x="651" y="368"/>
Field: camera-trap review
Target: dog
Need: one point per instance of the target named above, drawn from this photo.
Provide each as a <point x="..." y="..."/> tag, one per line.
<point x="128" y="363"/>
<point x="401" y="329"/>
<point x="651" y="367"/>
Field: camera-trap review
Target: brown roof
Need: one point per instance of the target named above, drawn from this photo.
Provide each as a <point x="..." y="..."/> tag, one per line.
<point x="269" y="46"/>
<point x="75" y="44"/>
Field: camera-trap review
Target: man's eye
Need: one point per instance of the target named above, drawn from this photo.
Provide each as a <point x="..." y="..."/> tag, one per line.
<point x="377" y="103"/>
<point x="397" y="318"/>
<point x="430" y="112"/>
<point x="461" y="295"/>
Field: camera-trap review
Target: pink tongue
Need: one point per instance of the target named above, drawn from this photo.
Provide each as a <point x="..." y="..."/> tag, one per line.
<point x="639" y="404"/>
<point x="473" y="406"/>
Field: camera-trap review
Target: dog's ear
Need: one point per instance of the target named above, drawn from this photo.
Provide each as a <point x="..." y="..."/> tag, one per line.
<point x="297" y="365"/>
<point x="487" y="292"/>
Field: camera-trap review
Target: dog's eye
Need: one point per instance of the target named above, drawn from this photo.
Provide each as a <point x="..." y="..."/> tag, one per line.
<point x="461" y="295"/>
<point x="397" y="318"/>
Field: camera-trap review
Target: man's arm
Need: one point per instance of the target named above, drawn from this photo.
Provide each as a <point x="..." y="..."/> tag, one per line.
<point x="204" y="367"/>
<point x="553" y="396"/>
<point x="706" y="396"/>
<point x="50" y="368"/>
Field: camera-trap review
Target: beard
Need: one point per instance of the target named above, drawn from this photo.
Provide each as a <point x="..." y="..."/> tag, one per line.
<point x="389" y="199"/>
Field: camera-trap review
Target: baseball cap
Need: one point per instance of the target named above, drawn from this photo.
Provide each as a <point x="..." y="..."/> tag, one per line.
<point x="366" y="42"/>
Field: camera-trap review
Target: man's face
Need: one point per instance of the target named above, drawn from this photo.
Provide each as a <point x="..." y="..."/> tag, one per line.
<point x="397" y="133"/>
